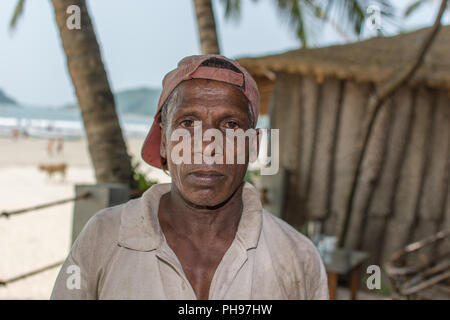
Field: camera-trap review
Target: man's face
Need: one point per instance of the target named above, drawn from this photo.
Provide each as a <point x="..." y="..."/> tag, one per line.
<point x="217" y="105"/>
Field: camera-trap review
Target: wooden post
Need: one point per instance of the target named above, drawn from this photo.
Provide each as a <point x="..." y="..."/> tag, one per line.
<point x="332" y="284"/>
<point x="354" y="285"/>
<point x="102" y="195"/>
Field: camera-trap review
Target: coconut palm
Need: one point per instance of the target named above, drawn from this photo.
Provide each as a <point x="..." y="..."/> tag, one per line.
<point x="413" y="6"/>
<point x="206" y="25"/>
<point x="306" y="17"/>
<point x="107" y="146"/>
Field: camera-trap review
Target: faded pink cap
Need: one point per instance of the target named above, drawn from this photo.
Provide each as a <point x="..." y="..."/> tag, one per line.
<point x="192" y="68"/>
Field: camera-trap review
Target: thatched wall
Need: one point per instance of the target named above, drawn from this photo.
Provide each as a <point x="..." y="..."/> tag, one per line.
<point x="403" y="194"/>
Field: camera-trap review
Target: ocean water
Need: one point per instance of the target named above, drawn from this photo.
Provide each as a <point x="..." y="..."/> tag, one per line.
<point x="43" y="122"/>
<point x="59" y="122"/>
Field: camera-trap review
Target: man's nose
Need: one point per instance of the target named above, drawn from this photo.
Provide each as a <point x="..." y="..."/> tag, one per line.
<point x="204" y="138"/>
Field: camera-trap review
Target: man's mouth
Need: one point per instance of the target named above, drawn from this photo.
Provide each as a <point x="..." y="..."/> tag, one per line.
<point x="206" y="177"/>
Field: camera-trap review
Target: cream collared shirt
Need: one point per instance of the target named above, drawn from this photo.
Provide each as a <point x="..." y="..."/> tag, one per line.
<point x="122" y="254"/>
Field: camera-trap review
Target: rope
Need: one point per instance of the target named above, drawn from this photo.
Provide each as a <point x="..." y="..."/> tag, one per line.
<point x="6" y="214"/>
<point x="31" y="273"/>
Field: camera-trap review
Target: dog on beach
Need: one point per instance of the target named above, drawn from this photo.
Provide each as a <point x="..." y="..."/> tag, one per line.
<point x="54" y="168"/>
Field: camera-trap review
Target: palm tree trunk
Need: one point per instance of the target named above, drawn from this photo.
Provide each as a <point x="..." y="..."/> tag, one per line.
<point x="206" y="27"/>
<point x="107" y="147"/>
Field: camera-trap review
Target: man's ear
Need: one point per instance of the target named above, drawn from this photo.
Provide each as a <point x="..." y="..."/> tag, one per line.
<point x="163" y="146"/>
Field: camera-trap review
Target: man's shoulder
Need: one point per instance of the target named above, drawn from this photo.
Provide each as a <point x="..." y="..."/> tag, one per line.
<point x="109" y="216"/>
<point x="103" y="227"/>
<point x="282" y="235"/>
<point x="295" y="259"/>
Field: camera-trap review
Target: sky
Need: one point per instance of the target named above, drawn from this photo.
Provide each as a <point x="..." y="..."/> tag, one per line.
<point x="141" y="40"/>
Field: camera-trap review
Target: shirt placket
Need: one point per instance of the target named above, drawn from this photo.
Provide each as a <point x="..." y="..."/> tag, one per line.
<point x="167" y="255"/>
<point x="227" y="270"/>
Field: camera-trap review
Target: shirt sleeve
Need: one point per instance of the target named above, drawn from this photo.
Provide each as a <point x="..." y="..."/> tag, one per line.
<point x="321" y="291"/>
<point x="77" y="278"/>
<point x="71" y="283"/>
<point x="316" y="275"/>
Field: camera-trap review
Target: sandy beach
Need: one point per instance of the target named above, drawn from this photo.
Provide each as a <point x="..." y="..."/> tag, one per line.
<point x="37" y="239"/>
<point x="41" y="238"/>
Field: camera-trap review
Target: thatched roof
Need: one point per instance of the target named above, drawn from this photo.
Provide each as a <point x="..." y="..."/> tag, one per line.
<point x="374" y="60"/>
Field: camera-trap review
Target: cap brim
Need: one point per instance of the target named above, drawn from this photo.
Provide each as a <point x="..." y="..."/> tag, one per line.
<point x="150" y="152"/>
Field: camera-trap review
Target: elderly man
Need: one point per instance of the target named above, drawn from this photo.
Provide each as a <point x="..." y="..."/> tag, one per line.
<point x="205" y="235"/>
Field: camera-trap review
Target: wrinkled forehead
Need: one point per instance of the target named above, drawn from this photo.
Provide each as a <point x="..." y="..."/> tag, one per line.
<point x="209" y="93"/>
<point x="203" y="88"/>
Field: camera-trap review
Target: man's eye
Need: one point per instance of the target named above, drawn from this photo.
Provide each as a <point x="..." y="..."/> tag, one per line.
<point x="231" y="125"/>
<point x="187" y="123"/>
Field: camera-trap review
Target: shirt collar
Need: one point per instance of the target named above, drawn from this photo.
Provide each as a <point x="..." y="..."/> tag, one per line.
<point x="140" y="229"/>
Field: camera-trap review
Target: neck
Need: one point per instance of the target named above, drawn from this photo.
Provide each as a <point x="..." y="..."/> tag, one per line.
<point x="205" y="223"/>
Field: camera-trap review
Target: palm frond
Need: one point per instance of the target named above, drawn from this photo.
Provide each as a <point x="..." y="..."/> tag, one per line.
<point x="352" y="13"/>
<point x="324" y="17"/>
<point x="232" y="8"/>
<point x="298" y="20"/>
<point x="412" y="7"/>
<point x="300" y="17"/>
<point x="18" y="11"/>
<point x="304" y="16"/>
